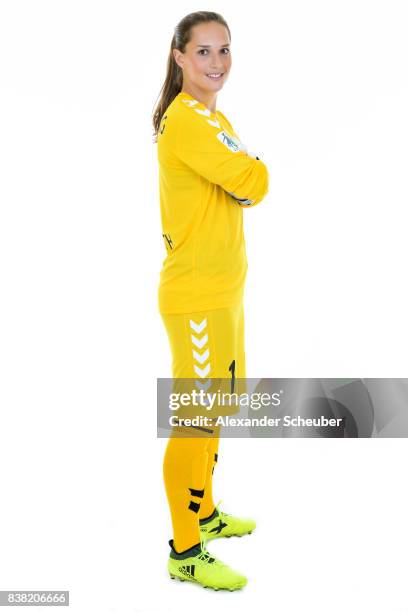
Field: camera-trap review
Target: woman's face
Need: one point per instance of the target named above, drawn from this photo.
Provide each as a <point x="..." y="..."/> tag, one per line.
<point x="207" y="53"/>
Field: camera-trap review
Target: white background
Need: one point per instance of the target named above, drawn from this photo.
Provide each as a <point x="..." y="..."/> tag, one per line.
<point x="320" y="91"/>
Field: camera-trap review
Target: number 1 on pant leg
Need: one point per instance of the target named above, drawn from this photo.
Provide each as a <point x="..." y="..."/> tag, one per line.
<point x="232" y="370"/>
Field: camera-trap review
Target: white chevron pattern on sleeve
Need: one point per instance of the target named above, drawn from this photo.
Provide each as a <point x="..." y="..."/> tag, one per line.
<point x="205" y="112"/>
<point x="214" y="123"/>
<point x="231" y="142"/>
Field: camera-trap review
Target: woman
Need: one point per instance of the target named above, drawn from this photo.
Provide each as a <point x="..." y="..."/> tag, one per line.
<point x="206" y="179"/>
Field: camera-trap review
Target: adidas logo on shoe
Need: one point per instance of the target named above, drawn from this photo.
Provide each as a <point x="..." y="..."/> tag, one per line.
<point x="187" y="570"/>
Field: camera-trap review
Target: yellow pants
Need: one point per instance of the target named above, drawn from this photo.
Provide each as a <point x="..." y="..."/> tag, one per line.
<point x="204" y="345"/>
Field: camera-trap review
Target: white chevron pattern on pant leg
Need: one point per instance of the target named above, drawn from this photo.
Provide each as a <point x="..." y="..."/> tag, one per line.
<point x="202" y="371"/>
<point x="199" y="359"/>
<point x="199" y="342"/>
<point x="198" y="327"/>
<point x="203" y="386"/>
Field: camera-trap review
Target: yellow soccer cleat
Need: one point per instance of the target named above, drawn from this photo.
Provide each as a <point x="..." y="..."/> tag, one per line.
<point x="223" y="525"/>
<point x="197" y="565"/>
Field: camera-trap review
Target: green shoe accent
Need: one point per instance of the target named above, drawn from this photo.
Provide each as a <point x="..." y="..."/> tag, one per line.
<point x="197" y="565"/>
<point x="223" y="525"/>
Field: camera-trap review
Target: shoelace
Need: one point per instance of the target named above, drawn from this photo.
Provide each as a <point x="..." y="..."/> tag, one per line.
<point x="207" y="558"/>
<point x="220" y="512"/>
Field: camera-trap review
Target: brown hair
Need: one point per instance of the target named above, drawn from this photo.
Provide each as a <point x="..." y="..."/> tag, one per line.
<point x="174" y="77"/>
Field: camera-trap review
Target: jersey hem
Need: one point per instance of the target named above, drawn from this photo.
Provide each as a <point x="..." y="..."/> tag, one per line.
<point x="208" y="306"/>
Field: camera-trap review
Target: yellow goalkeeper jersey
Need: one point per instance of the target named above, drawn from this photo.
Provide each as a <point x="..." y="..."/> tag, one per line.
<point x="206" y="178"/>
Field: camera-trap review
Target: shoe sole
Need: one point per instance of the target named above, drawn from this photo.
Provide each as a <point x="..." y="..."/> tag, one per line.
<point x="235" y="535"/>
<point x="207" y="586"/>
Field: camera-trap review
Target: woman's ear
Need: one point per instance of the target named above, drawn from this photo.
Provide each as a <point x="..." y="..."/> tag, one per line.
<point x="178" y="57"/>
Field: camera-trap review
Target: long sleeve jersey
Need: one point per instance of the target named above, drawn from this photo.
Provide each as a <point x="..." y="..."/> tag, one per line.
<point x="206" y="178"/>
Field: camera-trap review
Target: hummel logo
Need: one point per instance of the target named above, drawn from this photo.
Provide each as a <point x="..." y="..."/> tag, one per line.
<point x="188" y="570"/>
<point x="219" y="527"/>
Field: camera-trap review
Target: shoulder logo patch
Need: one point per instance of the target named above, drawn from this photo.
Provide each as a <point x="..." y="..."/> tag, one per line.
<point x="228" y="141"/>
